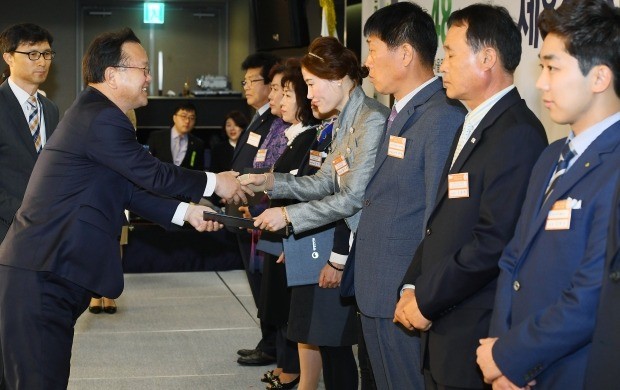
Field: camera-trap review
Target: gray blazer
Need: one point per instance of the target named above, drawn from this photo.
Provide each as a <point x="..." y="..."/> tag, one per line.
<point x="358" y="130"/>
<point x="401" y="195"/>
<point x="17" y="152"/>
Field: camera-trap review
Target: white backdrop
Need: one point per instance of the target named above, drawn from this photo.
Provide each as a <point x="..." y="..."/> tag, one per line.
<point x="525" y="13"/>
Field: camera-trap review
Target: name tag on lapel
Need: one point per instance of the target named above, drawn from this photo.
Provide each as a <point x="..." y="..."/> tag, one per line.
<point x="458" y="185"/>
<point x="316" y="159"/>
<point x="261" y="155"/>
<point x="254" y="139"/>
<point x="559" y="216"/>
<point x="340" y="165"/>
<point x="396" y="147"/>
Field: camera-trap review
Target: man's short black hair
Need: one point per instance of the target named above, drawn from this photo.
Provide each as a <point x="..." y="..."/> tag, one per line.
<point x="186" y="106"/>
<point x="265" y="61"/>
<point x="27" y="33"/>
<point x="105" y="51"/>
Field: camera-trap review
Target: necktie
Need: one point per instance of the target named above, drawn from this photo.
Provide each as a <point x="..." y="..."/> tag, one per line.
<point x="34" y="124"/>
<point x="468" y="129"/>
<point x="566" y="155"/>
<point x="176" y="151"/>
<point x="391" y="119"/>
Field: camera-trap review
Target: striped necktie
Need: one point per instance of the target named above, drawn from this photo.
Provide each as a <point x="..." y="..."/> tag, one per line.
<point x="34" y="123"/>
<point x="566" y="155"/>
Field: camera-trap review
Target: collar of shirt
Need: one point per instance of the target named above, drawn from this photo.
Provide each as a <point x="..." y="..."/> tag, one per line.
<point x="174" y="134"/>
<point x="262" y="110"/>
<point x="475" y="116"/>
<point x="582" y="141"/>
<point x="403" y="102"/>
<point x="21" y="95"/>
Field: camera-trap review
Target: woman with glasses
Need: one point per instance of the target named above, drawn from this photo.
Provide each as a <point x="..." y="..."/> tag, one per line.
<point x="333" y="75"/>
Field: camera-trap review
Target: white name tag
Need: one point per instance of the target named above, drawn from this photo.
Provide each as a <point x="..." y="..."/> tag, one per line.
<point x="458" y="185"/>
<point x="261" y="155"/>
<point x="559" y="216"/>
<point x="315" y="159"/>
<point x="396" y="147"/>
<point x="340" y="165"/>
<point x="254" y="139"/>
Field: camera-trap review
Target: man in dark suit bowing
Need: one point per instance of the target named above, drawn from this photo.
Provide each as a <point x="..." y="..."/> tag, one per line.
<point x="63" y="244"/>
<point x="452" y="277"/>
<point x="401" y="192"/>
<point x="256" y="85"/>
<point x="544" y="319"/>
<point x="177" y="145"/>
<point x="27" y="118"/>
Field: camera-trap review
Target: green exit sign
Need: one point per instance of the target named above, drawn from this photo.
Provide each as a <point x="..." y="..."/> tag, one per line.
<point x="154" y="13"/>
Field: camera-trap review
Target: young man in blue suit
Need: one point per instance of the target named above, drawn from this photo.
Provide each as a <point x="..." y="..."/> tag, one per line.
<point x="451" y="280"/>
<point x="551" y="272"/>
<point x="27" y="49"/>
<point x="63" y="244"/>
<point x="400" y="195"/>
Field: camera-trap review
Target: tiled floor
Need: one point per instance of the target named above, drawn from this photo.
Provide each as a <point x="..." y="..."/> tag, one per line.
<point x="171" y="331"/>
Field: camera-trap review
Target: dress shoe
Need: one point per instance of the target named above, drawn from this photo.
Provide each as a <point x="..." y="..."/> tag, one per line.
<point x="276" y="384"/>
<point x="258" y="358"/>
<point x="268" y="377"/>
<point x="109" y="306"/>
<point x="246" y="352"/>
<point x="95" y="305"/>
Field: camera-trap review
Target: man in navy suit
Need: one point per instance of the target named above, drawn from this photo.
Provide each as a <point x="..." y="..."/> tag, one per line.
<point x="27" y="49"/>
<point x="63" y="244"/>
<point x="551" y="272"/>
<point x="451" y="280"/>
<point x="401" y="192"/>
<point x="256" y="85"/>
<point x="177" y="145"/>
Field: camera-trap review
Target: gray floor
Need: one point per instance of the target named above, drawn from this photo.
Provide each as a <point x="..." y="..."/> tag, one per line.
<point x="172" y="331"/>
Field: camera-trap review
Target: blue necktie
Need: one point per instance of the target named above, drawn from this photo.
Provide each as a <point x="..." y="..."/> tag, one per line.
<point x="566" y="155"/>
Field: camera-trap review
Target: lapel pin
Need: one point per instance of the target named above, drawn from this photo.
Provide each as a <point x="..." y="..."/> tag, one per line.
<point x="587" y="164"/>
<point x="473" y="140"/>
<point x="351" y="130"/>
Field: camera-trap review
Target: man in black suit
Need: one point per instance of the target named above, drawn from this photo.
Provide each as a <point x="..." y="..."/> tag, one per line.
<point x="178" y="145"/>
<point x="26" y="48"/>
<point x="256" y="85"/>
<point x="451" y="281"/>
<point x="63" y="244"/>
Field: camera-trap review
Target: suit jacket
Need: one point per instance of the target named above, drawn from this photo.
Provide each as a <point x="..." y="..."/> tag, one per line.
<point x="17" y="152"/>
<point x="243" y="156"/>
<point x="221" y="156"/>
<point x="87" y="174"/>
<point x="605" y="355"/>
<point x="159" y="146"/>
<point x="400" y="196"/>
<point x="356" y="137"/>
<point x="455" y="268"/>
<point x="550" y="282"/>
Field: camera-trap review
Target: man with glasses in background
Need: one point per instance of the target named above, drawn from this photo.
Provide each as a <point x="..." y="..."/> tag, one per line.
<point x="178" y="145"/>
<point x="62" y="246"/>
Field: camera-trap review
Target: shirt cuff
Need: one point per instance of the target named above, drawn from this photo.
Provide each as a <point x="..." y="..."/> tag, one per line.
<point x="210" y="188"/>
<point x="406" y="287"/>
<point x="179" y="216"/>
<point x="338" y="258"/>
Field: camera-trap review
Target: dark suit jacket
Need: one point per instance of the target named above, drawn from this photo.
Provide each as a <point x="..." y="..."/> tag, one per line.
<point x="87" y="174"/>
<point x="400" y="195"/>
<point x="243" y="156"/>
<point x="221" y="156"/>
<point x="159" y="146"/>
<point x="17" y="152"/>
<point x="455" y="267"/>
<point x="550" y="280"/>
<point x="603" y="361"/>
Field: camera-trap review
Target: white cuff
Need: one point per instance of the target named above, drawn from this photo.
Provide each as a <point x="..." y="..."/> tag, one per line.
<point x="338" y="258"/>
<point x="179" y="216"/>
<point x="211" y="180"/>
<point x="406" y="287"/>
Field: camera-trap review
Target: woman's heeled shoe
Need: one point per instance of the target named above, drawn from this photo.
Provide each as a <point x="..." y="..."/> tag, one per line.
<point x="268" y="377"/>
<point x="95" y="305"/>
<point x="276" y="384"/>
<point x="109" y="306"/>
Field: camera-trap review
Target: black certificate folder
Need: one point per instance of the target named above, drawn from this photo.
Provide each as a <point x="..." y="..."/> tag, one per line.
<point x="234" y="222"/>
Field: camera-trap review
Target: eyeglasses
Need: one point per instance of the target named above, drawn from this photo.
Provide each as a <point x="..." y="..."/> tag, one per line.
<point x="188" y="117"/>
<point x="35" y="55"/>
<point x="146" y="69"/>
<point x="249" y="82"/>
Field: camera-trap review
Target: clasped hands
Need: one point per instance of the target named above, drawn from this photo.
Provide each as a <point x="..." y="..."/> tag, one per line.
<point x="408" y="313"/>
<point x="490" y="370"/>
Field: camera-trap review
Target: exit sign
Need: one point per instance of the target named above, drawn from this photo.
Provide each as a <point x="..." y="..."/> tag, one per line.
<point x="154" y="13"/>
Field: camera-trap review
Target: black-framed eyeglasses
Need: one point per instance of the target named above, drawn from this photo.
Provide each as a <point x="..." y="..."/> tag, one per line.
<point x="146" y="69"/>
<point x="188" y="117"/>
<point x="250" y="82"/>
<point x="35" y="55"/>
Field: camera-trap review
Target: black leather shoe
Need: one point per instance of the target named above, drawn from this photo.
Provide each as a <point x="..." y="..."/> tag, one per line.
<point x="276" y="384"/>
<point x="246" y="352"/>
<point x="111" y="307"/>
<point x="95" y="305"/>
<point x="258" y="358"/>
